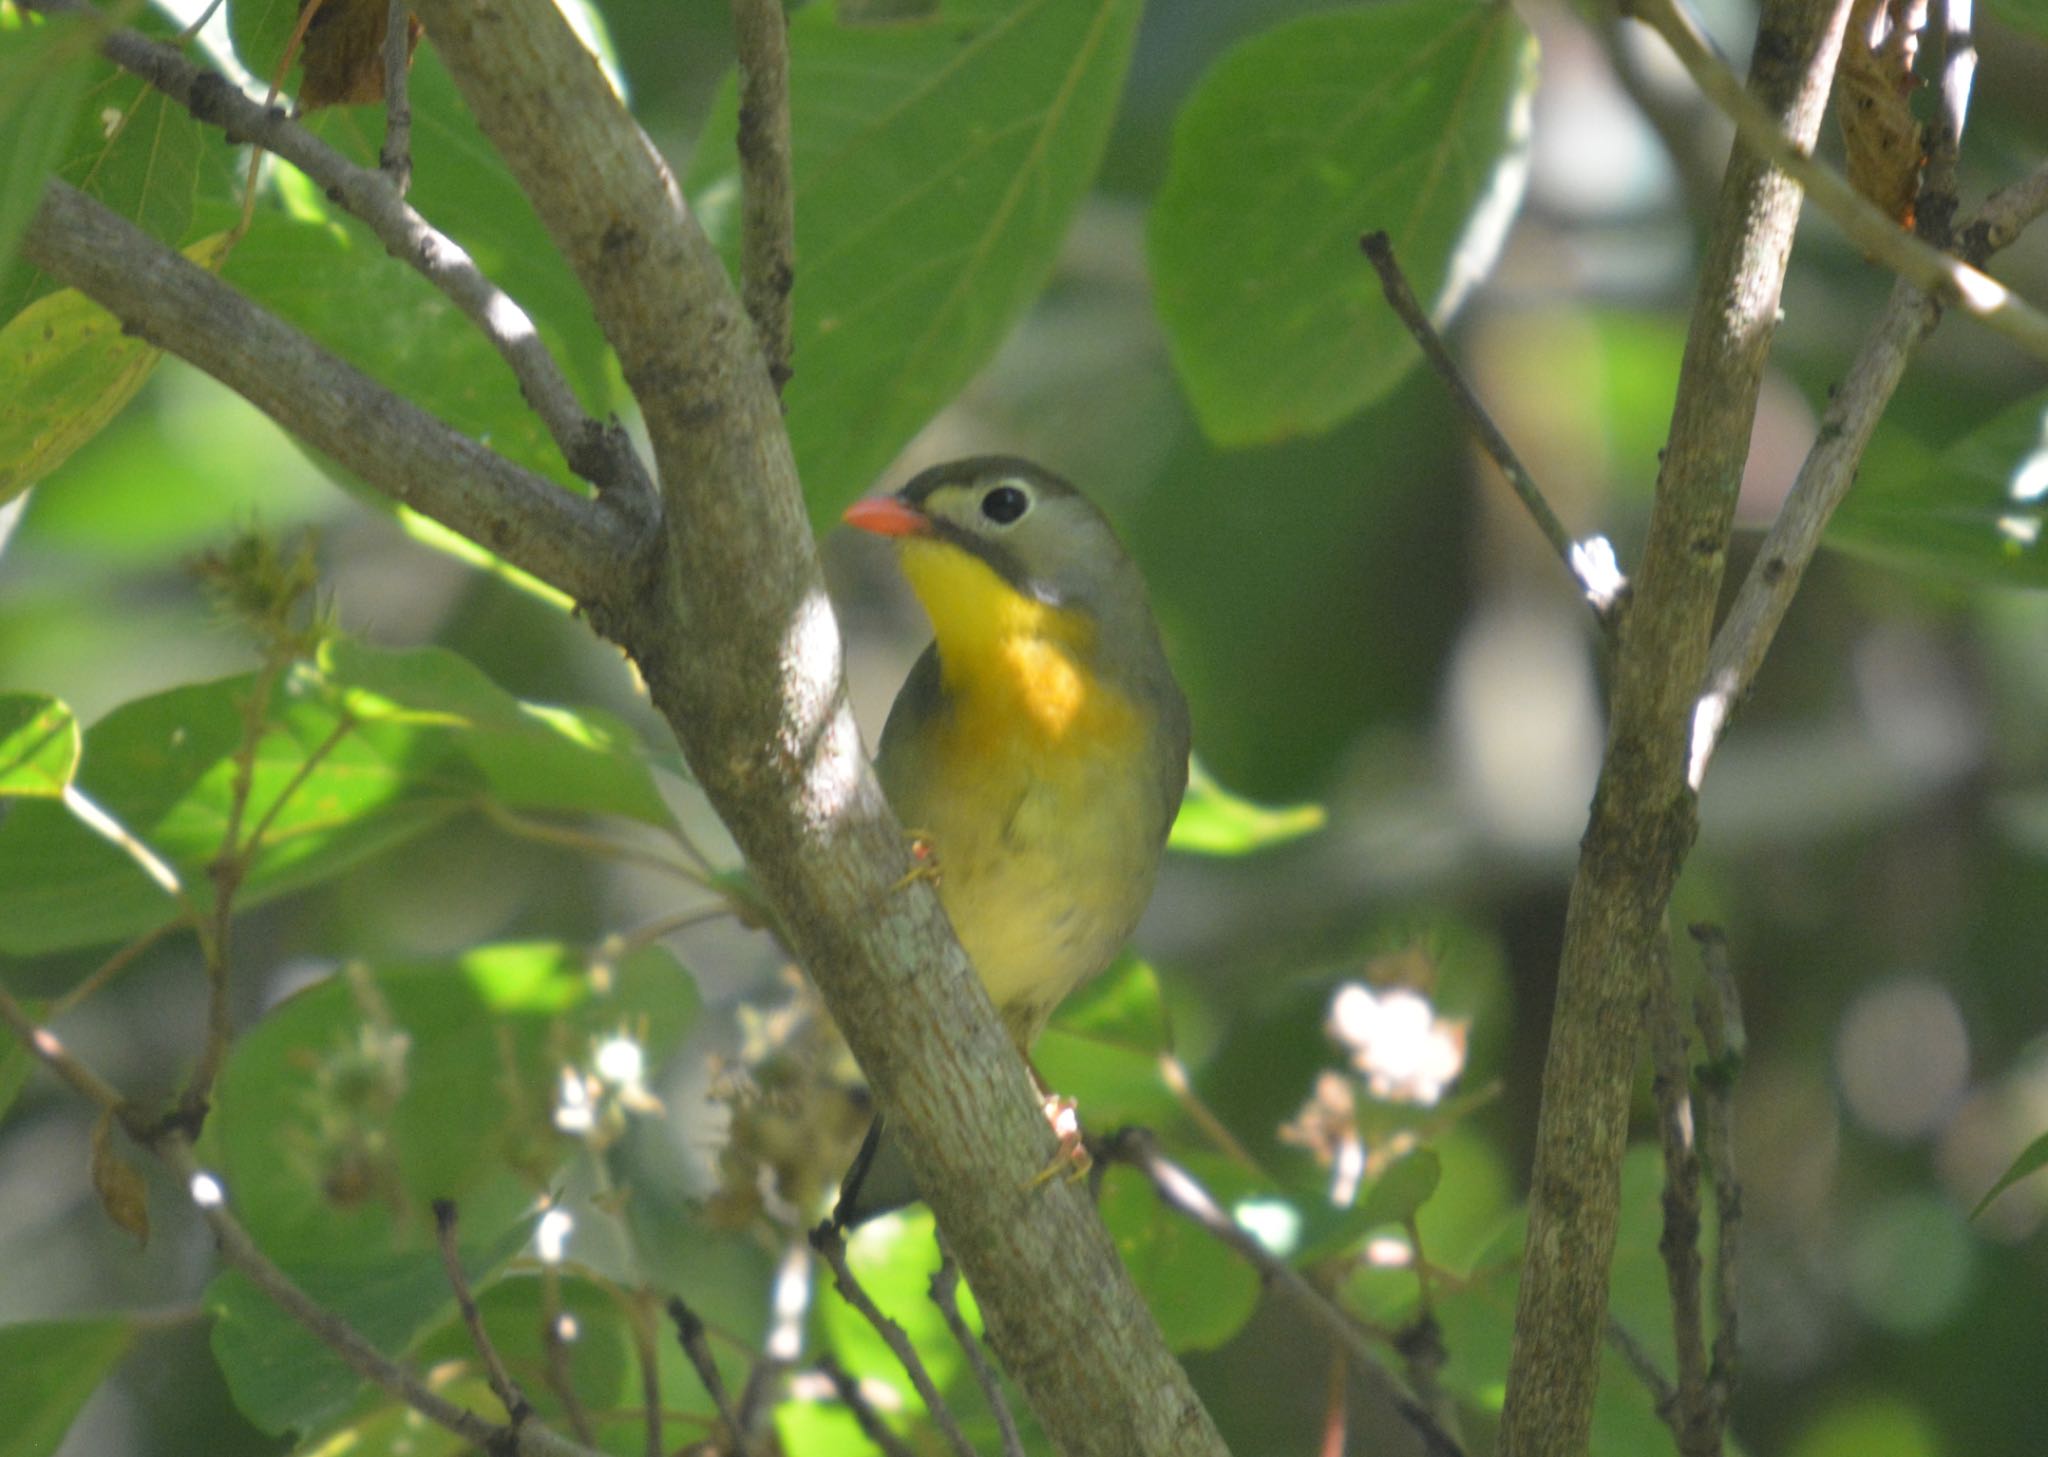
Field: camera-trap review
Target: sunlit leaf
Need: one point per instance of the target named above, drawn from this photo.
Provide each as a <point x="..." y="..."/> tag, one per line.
<point x="937" y="162"/>
<point x="47" y="1370"/>
<point x="66" y="369"/>
<point x="894" y="1258"/>
<point x="1406" y="118"/>
<point x="1213" y="821"/>
<point x="360" y="752"/>
<point x="1104" y="1047"/>
<point x="39" y="744"/>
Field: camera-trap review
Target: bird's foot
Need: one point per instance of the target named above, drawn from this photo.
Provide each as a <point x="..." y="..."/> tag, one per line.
<point x="1073" y="1161"/>
<point x="924" y="863"/>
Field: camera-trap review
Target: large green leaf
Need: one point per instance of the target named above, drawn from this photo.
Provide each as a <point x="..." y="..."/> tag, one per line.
<point x="937" y="162"/>
<point x="1404" y="117"/>
<point x="361" y="750"/>
<point x="1199" y="1289"/>
<point x="1104" y="1047"/>
<point x="1213" y="821"/>
<point x="47" y="1370"/>
<point x="1976" y="511"/>
<point x="353" y="1105"/>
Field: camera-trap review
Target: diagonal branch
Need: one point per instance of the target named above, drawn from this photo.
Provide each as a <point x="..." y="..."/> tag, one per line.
<point x="572" y="542"/>
<point x="1644" y="816"/>
<point x="1946" y="278"/>
<point x="740" y="651"/>
<point x="599" y="453"/>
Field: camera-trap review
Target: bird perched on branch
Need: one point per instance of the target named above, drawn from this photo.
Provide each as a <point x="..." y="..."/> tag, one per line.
<point x="1039" y="747"/>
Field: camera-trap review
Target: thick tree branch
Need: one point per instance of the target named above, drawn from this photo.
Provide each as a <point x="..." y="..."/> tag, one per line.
<point x="599" y="453"/>
<point x="740" y="651"/>
<point x="1947" y="278"/>
<point x="768" y="199"/>
<point x="1643" y="818"/>
<point x="574" y="543"/>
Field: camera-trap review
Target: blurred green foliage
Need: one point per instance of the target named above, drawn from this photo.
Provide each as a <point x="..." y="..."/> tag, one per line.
<point x="1121" y="240"/>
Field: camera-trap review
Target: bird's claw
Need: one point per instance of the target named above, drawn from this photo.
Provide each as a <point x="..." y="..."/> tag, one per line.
<point x="925" y="866"/>
<point x="1073" y="1161"/>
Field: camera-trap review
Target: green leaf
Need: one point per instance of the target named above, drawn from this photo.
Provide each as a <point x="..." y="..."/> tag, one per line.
<point x="1975" y="512"/>
<point x="1200" y="1291"/>
<point x="2033" y="1158"/>
<point x="1395" y="1197"/>
<point x="39" y="745"/>
<point x="1406" y="118"/>
<point x="353" y="1105"/>
<point x="343" y="288"/>
<point x="1104" y="1047"/>
<point x="282" y="1377"/>
<point x="46" y="63"/>
<point x="360" y="751"/>
<point x="1213" y="821"/>
<point x="47" y="1370"/>
<point x="937" y="162"/>
<point x="132" y="148"/>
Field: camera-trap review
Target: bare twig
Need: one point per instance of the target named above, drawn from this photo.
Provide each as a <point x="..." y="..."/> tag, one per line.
<point x="1719" y="1013"/>
<point x="767" y="197"/>
<point x="1181" y="1192"/>
<point x="581" y="546"/>
<point x="1601" y="588"/>
<point x="1637" y="1355"/>
<point x="583" y="842"/>
<point x="1644" y="819"/>
<point x="690" y="1336"/>
<point x="1944" y="277"/>
<point x="830" y="1244"/>
<point x="113" y="966"/>
<point x="1691" y="1424"/>
<point x="646" y="1321"/>
<point x="945" y="1293"/>
<point x="50" y="1050"/>
<point x="864" y="1414"/>
<point x="395" y="157"/>
<point x="518" y="1410"/>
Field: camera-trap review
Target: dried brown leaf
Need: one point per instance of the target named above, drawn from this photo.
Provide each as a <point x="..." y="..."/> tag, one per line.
<point x="123" y="1193"/>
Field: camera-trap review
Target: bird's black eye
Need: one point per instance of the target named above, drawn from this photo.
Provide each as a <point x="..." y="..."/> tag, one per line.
<point x="1005" y="504"/>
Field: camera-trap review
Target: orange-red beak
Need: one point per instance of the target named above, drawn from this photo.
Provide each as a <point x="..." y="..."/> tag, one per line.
<point x="886" y="516"/>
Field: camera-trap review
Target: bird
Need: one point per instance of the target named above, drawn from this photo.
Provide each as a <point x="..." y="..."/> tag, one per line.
<point x="1038" y="749"/>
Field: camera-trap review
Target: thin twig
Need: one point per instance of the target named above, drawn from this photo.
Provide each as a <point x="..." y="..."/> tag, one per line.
<point x="945" y="1293"/>
<point x="1719" y="1013"/>
<point x="518" y="1410"/>
<point x="1947" y="278"/>
<point x="864" y="1414"/>
<point x="49" y="1049"/>
<point x="646" y="1322"/>
<point x="1671" y="1084"/>
<point x="395" y="157"/>
<point x="584" y="842"/>
<point x="690" y="1336"/>
<point x="555" y="1354"/>
<point x="1181" y="1192"/>
<point x="599" y="453"/>
<point x="1640" y="1361"/>
<point x="767" y="196"/>
<point x="112" y="967"/>
<point x="830" y="1244"/>
<point x="1829" y="469"/>
<point x="1601" y="587"/>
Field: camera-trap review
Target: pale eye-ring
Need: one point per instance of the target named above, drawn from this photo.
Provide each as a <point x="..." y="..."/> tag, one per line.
<point x="1005" y="503"/>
